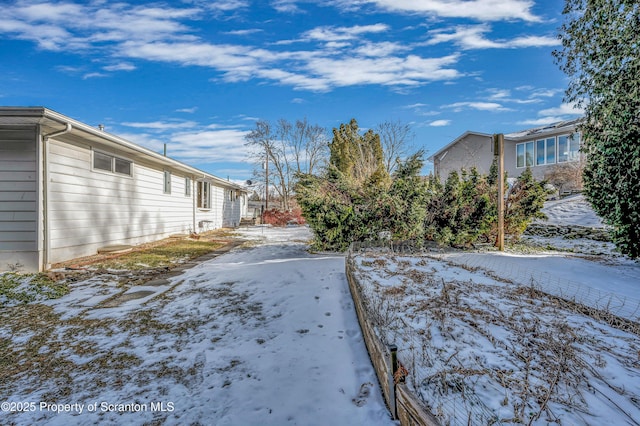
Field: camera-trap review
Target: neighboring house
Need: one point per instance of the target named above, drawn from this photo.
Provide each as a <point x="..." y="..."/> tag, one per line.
<point x="543" y="149"/>
<point x="68" y="189"/>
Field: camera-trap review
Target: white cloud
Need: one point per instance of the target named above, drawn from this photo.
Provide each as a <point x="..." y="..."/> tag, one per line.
<point x="499" y="94"/>
<point x="480" y="106"/>
<point x="123" y="66"/>
<point x="343" y="33"/>
<point x="505" y="95"/>
<point x="122" y="31"/>
<point x="406" y="71"/>
<point x="209" y="146"/>
<point x="467" y="37"/>
<point x="543" y="121"/>
<point x="381" y="49"/>
<point x="286" y="6"/>
<point x="483" y="10"/>
<point x="554" y="115"/>
<point x="228" y="5"/>
<point x="418" y="105"/>
<point x="94" y="75"/>
<point x="245" y="32"/>
<point x="563" y="109"/>
<point x="162" y="125"/>
<point x="440" y="123"/>
<point x="188" y="110"/>
<point x="472" y="37"/>
<point x="545" y="93"/>
<point x="533" y="41"/>
<point x="200" y="145"/>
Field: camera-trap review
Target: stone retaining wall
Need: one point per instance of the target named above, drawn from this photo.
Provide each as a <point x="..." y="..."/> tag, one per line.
<point x="568" y="232"/>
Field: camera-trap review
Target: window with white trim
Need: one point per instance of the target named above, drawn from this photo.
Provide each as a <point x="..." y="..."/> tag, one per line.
<point x="569" y="148"/>
<point x="525" y="154"/>
<point x="204" y="195"/>
<point x="187" y="187"/>
<point x="112" y="164"/>
<point x="547" y="151"/>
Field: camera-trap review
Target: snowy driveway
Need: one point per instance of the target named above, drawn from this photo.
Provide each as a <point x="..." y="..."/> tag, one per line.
<point x="258" y="336"/>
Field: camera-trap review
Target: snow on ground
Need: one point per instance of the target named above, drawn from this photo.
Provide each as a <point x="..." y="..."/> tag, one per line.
<point x="482" y="343"/>
<point x="480" y="350"/>
<point x="260" y="336"/>
<point x="613" y="287"/>
<point x="572" y="210"/>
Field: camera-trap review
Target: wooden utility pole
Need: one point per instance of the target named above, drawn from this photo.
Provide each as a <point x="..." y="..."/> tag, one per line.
<point x="266" y="181"/>
<point x="498" y="151"/>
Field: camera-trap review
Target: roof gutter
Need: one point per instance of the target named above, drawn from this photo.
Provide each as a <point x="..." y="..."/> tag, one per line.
<point x="45" y="191"/>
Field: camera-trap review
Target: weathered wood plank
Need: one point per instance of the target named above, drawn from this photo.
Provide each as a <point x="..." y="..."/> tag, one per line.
<point x="409" y="409"/>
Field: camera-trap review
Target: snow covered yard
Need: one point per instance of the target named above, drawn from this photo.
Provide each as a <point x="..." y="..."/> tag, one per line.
<point x="482" y="351"/>
<point x="264" y="335"/>
<point x="545" y="333"/>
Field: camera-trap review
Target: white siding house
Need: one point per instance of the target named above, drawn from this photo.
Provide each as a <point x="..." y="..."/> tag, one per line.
<point x="68" y="189"/>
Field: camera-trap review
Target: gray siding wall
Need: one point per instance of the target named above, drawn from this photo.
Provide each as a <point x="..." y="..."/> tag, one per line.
<point x="18" y="198"/>
<point x="90" y="209"/>
<point x="473" y="150"/>
<point x="476" y="150"/>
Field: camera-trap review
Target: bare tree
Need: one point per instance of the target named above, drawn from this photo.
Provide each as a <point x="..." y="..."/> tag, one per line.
<point x="395" y="137"/>
<point x="310" y="144"/>
<point x="565" y="176"/>
<point x="289" y="149"/>
<point x="262" y="142"/>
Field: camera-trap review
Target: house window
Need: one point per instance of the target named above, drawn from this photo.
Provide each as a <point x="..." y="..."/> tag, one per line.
<point x="525" y="154"/>
<point x="167" y="182"/>
<point x="574" y="147"/>
<point x="122" y="166"/>
<point x="112" y="164"/>
<point x="529" y="154"/>
<point x="540" y="152"/>
<point x="520" y="155"/>
<point x="204" y="195"/>
<point x="551" y="151"/>
<point x="545" y="151"/>
<point x="568" y="148"/>
<point x="187" y="187"/>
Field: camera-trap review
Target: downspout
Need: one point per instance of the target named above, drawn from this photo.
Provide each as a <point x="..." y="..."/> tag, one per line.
<point x="45" y="192"/>
<point x="194" y="196"/>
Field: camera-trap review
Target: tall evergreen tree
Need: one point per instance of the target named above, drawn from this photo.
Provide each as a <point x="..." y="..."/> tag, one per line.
<point x="358" y="157"/>
<point x="601" y="54"/>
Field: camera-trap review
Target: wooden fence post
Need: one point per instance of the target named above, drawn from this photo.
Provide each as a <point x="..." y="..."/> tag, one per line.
<point x="393" y="353"/>
<point x="498" y="143"/>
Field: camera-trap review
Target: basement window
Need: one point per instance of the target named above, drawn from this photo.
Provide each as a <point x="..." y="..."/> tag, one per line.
<point x="112" y="164"/>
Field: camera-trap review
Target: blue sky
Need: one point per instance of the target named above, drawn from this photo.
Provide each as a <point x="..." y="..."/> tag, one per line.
<point x="197" y="74"/>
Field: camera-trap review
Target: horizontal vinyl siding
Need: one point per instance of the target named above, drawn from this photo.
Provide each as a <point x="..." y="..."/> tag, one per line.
<point x="232" y="211"/>
<point x="18" y="190"/>
<point x="90" y="209"/>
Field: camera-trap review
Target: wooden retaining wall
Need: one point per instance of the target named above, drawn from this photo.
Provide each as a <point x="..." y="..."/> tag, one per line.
<point x="402" y="403"/>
